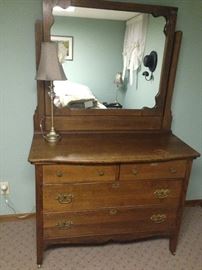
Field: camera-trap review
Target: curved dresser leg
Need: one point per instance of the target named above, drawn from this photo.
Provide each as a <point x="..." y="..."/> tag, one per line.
<point x="39" y="255"/>
<point x="173" y="244"/>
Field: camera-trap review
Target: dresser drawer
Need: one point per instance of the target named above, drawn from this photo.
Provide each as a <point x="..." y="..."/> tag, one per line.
<point x="77" y="197"/>
<point x="157" y="170"/>
<point x="78" y="173"/>
<point x="109" y="221"/>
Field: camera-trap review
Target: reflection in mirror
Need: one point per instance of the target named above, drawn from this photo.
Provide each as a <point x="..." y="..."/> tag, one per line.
<point x="103" y="43"/>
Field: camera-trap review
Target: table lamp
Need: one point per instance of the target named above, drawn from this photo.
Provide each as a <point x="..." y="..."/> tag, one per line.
<point x="50" y="70"/>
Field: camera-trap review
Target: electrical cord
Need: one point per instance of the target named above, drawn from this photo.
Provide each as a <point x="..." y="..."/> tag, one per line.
<point x="9" y="205"/>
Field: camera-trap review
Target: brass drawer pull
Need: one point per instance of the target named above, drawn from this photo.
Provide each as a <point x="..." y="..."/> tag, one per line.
<point x="64" y="198"/>
<point x="64" y="225"/>
<point x="113" y="212"/>
<point x="161" y="193"/>
<point x="134" y="171"/>
<point x="158" y="218"/>
<point x="59" y="174"/>
<point x="173" y="170"/>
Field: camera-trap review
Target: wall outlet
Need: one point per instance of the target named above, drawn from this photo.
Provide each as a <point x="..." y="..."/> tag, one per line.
<point x="4" y="188"/>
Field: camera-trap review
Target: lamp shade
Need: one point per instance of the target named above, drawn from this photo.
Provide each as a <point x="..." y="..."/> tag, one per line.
<point x="50" y="68"/>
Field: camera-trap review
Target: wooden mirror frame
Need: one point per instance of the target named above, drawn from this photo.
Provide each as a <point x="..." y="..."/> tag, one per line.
<point x="157" y="119"/>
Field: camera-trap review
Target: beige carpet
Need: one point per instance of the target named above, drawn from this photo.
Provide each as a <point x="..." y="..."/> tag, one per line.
<point x="17" y="250"/>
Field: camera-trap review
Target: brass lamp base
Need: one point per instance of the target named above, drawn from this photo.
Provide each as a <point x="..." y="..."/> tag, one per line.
<point x="52" y="136"/>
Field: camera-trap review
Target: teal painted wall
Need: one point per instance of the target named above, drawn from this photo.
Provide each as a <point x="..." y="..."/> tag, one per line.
<point x="18" y="93"/>
<point x="17" y="99"/>
<point x="98" y="46"/>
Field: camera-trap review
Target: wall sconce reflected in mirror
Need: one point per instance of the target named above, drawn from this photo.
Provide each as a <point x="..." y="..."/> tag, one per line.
<point x="118" y="79"/>
<point x="150" y="61"/>
<point x="119" y="83"/>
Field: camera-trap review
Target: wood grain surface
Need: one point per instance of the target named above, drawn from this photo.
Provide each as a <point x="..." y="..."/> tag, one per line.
<point x="110" y="148"/>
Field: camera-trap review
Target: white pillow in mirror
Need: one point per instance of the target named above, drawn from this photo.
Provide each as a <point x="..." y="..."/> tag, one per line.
<point x="72" y="89"/>
<point x="67" y="91"/>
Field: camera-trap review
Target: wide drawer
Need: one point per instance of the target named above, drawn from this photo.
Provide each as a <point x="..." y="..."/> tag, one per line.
<point x="170" y="169"/>
<point x="109" y="222"/>
<point x="78" y="173"/>
<point x="93" y="196"/>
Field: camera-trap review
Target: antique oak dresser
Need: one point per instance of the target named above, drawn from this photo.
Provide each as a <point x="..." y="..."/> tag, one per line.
<point x="116" y="174"/>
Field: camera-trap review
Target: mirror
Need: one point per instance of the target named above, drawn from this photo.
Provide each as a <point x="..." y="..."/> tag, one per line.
<point x="152" y="116"/>
<point x="91" y="45"/>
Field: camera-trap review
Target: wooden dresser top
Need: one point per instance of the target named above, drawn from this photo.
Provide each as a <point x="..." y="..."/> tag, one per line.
<point x="110" y="148"/>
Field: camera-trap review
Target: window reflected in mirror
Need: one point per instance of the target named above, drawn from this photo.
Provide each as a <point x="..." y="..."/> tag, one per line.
<point x="94" y="46"/>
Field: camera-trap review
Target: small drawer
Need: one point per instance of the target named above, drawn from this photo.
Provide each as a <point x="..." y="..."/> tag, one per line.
<point x="157" y="170"/>
<point x="80" y="197"/>
<point x="110" y="221"/>
<point x="54" y="174"/>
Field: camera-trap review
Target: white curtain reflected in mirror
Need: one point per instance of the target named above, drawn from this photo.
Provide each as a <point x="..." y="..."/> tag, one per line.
<point x="134" y="46"/>
<point x="98" y="56"/>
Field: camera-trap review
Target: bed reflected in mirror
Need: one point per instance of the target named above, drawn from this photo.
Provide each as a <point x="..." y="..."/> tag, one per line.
<point x="75" y="96"/>
<point x="94" y="45"/>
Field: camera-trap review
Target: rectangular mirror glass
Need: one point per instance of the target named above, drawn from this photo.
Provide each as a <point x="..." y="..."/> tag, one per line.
<point x="102" y="53"/>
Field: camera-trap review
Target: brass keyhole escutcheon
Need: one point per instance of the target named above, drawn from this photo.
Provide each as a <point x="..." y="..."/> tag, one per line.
<point x="101" y="173"/>
<point x="116" y="185"/>
<point x="59" y="174"/>
<point x="173" y="170"/>
<point x="113" y="212"/>
<point x="134" y="171"/>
